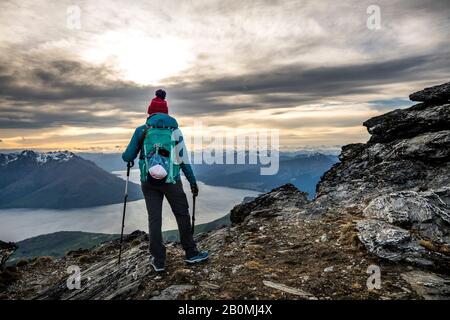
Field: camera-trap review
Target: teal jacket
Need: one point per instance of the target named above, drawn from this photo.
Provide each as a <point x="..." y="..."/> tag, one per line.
<point x="132" y="150"/>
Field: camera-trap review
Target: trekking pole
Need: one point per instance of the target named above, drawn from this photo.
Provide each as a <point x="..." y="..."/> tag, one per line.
<point x="193" y="213"/>
<point x="129" y="165"/>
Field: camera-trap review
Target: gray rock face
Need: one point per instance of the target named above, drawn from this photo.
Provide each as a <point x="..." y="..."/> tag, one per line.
<point x="269" y="204"/>
<point x="399" y="181"/>
<point x="437" y="94"/>
<point x="407" y="123"/>
<point x="6" y="250"/>
<point x="409" y="208"/>
<point x="173" y="292"/>
<point x="368" y="171"/>
<point x="428" y="285"/>
<point x="387" y="241"/>
<point x="106" y="280"/>
<point x="414" y="216"/>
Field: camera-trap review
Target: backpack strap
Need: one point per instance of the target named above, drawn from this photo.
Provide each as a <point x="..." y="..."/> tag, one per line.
<point x="160" y="121"/>
<point x="142" y="138"/>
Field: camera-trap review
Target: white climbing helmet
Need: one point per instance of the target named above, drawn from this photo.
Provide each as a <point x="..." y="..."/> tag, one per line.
<point x="158" y="172"/>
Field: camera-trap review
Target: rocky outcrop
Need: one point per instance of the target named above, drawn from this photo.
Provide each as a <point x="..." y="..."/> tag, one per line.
<point x="105" y="279"/>
<point x="430" y="286"/>
<point x="269" y="204"/>
<point x="398" y="182"/>
<point x="435" y="95"/>
<point x="282" y="256"/>
<point x="413" y="210"/>
<point x="408" y="123"/>
<point x="392" y="218"/>
<point x="367" y="171"/>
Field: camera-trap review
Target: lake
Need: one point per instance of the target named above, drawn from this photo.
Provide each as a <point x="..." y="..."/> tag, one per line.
<point x="212" y="203"/>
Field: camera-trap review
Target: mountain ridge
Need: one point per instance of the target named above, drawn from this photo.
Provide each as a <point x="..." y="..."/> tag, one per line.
<point x="295" y="167"/>
<point x="52" y="180"/>
<point x="57" y="244"/>
<point x="302" y="170"/>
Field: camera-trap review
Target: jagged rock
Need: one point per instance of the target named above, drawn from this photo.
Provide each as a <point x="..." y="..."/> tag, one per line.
<point x="106" y="280"/>
<point x="437" y="94"/>
<point x="328" y="269"/>
<point x="287" y="289"/>
<point x="6" y="250"/>
<point x="173" y="292"/>
<point x="407" y="123"/>
<point x="424" y="214"/>
<point x="209" y="285"/>
<point x="269" y="204"/>
<point x="429" y="285"/>
<point x="410" y="208"/>
<point x="390" y="242"/>
<point x="182" y="275"/>
<point x="429" y="147"/>
<point x="399" y="181"/>
<point x="368" y="171"/>
<point x="137" y="234"/>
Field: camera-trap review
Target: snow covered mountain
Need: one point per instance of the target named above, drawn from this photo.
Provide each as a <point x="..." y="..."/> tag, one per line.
<point x="39" y="158"/>
<point x="60" y="180"/>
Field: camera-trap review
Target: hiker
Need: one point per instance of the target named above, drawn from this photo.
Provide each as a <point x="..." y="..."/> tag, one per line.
<point x="156" y="142"/>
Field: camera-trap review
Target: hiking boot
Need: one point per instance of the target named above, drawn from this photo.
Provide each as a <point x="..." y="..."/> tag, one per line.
<point x="201" y="256"/>
<point x="156" y="267"/>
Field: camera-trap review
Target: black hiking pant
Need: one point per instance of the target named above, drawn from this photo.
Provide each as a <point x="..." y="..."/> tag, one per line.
<point x="154" y="196"/>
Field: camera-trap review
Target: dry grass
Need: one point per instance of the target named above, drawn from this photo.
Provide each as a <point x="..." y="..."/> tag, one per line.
<point x="8" y="276"/>
<point x="349" y="234"/>
<point x="84" y="259"/>
<point x="445" y="249"/>
<point x="21" y="263"/>
<point x="427" y="245"/>
<point x="252" y="265"/>
<point x="43" y="260"/>
<point x="135" y="242"/>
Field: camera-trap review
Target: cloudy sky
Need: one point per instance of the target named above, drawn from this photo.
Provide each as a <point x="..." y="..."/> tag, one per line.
<point x="312" y="69"/>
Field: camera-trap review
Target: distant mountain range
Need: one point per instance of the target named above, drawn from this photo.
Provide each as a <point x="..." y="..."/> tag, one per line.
<point x="303" y="169"/>
<point x="57" y="180"/>
<point x="107" y="161"/>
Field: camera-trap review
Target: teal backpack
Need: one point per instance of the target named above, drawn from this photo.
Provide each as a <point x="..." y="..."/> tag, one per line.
<point x="158" y="147"/>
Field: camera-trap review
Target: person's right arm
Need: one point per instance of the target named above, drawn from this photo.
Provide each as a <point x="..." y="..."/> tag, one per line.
<point x="132" y="150"/>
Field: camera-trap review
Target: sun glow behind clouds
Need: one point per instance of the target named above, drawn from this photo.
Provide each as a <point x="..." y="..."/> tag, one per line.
<point x="139" y="58"/>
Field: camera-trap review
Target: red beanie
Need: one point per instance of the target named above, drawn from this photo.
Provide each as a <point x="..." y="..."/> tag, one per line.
<point x="158" y="105"/>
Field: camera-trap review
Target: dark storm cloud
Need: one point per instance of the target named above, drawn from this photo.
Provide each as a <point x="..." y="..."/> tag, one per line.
<point x="298" y="84"/>
<point x="71" y="93"/>
<point x="66" y="93"/>
<point x="65" y="80"/>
